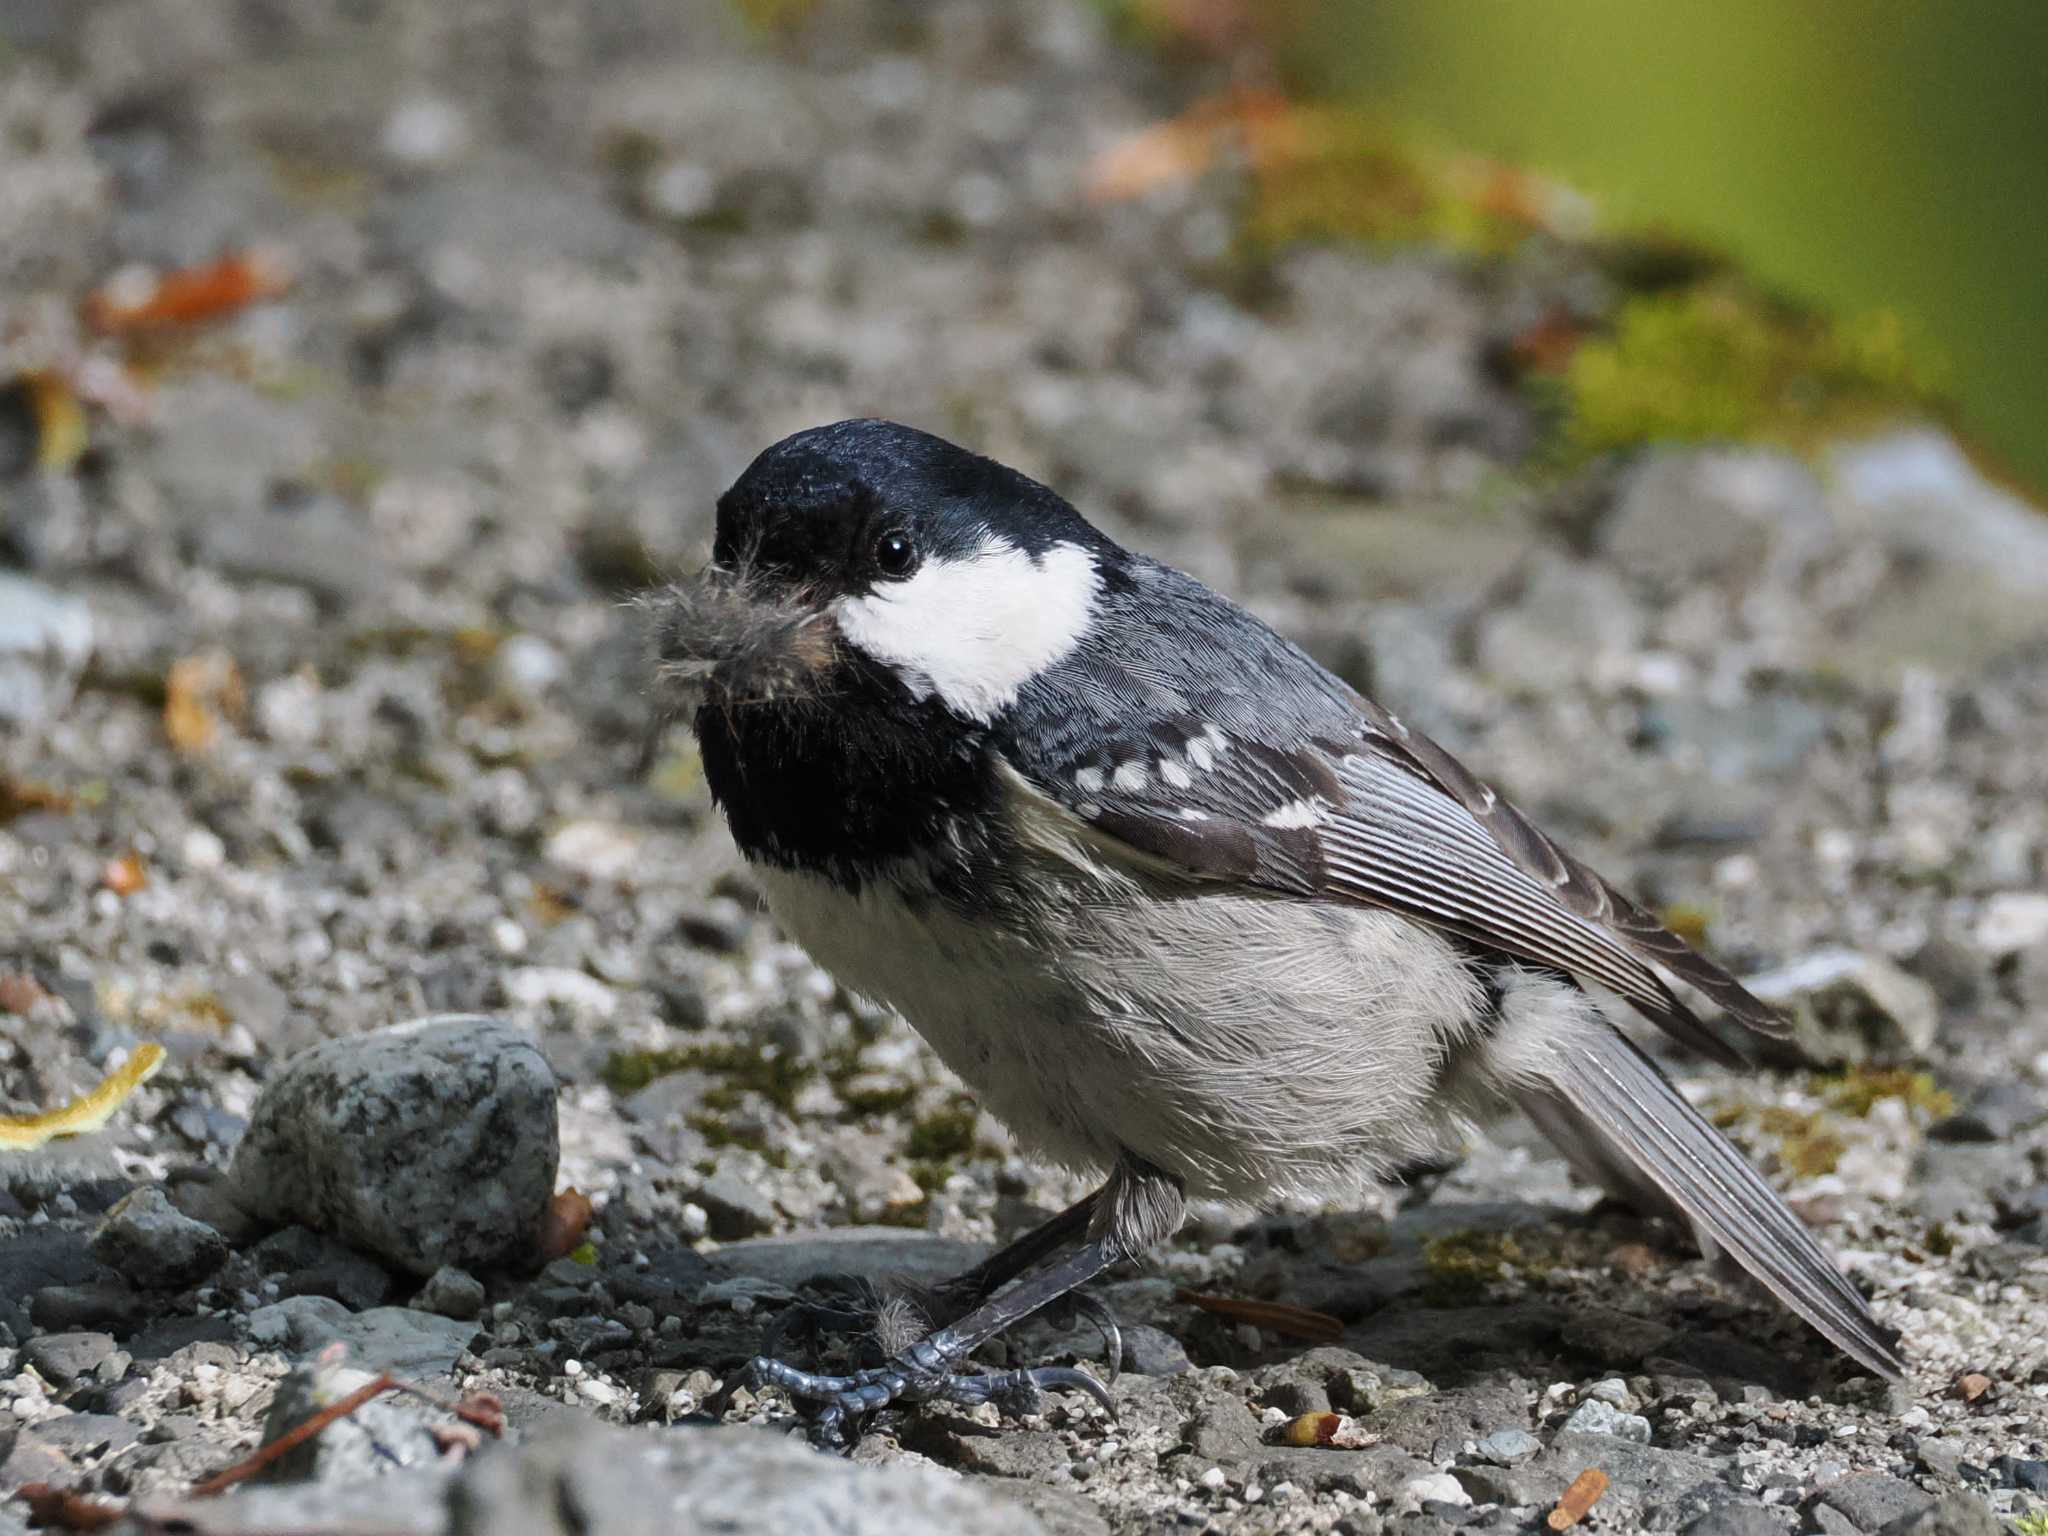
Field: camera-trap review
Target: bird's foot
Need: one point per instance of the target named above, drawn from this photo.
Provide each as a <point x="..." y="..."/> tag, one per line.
<point x="925" y="1372"/>
<point x="888" y="1326"/>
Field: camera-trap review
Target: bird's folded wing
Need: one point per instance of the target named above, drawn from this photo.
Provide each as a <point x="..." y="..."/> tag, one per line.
<point x="1389" y="819"/>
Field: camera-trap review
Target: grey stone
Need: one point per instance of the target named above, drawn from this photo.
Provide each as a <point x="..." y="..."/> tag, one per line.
<point x="61" y="1358"/>
<point x="857" y="1161"/>
<point x="873" y="1254"/>
<point x="62" y="1307"/>
<point x="1567" y="617"/>
<point x="307" y="539"/>
<point x="1963" y="548"/>
<point x="428" y="1143"/>
<point x="1848" y="1007"/>
<point x="1739" y="1518"/>
<point x="81" y="1436"/>
<point x="352" y="1279"/>
<point x="1595" y="1417"/>
<point x="1953" y="1180"/>
<point x="46" y="638"/>
<point x="411" y="1503"/>
<point x="395" y="1339"/>
<point x="2022" y="1472"/>
<point x="1871" y="1500"/>
<point x="586" y="1478"/>
<point x="1641" y="1474"/>
<point x="385" y="1434"/>
<point x="1995" y="1112"/>
<point x="1954" y="1514"/>
<point x="451" y="1292"/>
<point x="1683" y="517"/>
<point x="1939" y="1458"/>
<point x="1507" y="1447"/>
<point x="737" y="1207"/>
<point x="1153" y="1352"/>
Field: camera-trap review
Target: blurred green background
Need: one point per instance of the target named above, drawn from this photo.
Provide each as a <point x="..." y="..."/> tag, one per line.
<point x="1859" y="154"/>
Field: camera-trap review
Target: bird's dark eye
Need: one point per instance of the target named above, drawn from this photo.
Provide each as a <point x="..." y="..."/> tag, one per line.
<point x="895" y="555"/>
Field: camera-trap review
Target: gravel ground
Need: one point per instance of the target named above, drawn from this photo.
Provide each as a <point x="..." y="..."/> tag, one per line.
<point x="321" y="711"/>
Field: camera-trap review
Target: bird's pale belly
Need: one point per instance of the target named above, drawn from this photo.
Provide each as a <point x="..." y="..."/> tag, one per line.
<point x="1252" y="1046"/>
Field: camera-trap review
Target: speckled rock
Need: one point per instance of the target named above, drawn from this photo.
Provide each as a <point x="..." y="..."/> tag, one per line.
<point x="624" y="1484"/>
<point x="396" y="1339"/>
<point x="428" y="1143"/>
<point x="1848" y="1007"/>
<point x="155" y="1245"/>
<point x="1955" y="1514"/>
<point x="379" y="1437"/>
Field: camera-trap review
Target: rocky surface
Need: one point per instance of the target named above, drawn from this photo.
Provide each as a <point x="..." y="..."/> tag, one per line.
<point x="323" y="714"/>
<point x="430" y="1145"/>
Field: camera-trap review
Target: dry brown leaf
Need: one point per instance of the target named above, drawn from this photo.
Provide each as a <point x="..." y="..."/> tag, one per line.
<point x="89" y="1111"/>
<point x="20" y="796"/>
<point x="61" y="428"/>
<point x="63" y="1510"/>
<point x="20" y="992"/>
<point x="125" y="874"/>
<point x="1291" y="1322"/>
<point x="1972" y="1385"/>
<point x="139" y="300"/>
<point x="1263" y="123"/>
<point x="563" y="1227"/>
<point x="1577" y="1500"/>
<point x="1337" y="1430"/>
<point x="200" y="694"/>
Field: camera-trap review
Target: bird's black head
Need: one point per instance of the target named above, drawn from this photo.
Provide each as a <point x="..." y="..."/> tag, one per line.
<point x="884" y="550"/>
<point x="847" y="508"/>
<point x="878" y="598"/>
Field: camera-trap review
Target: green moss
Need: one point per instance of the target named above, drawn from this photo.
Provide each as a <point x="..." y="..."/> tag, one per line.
<point x="1718" y="362"/>
<point x="943" y="1134"/>
<point x="1860" y="1090"/>
<point x="2035" y="1524"/>
<point x="717" y="1131"/>
<point x="583" y="1253"/>
<point x="776" y="1075"/>
<point x="877" y="1101"/>
<point x="1464" y="1266"/>
<point x="1807" y="1145"/>
<point x="1332" y="173"/>
<point x="774" y="18"/>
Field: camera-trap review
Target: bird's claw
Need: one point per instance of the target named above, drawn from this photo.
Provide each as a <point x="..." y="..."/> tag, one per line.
<point x="920" y="1374"/>
<point x="1098" y="1313"/>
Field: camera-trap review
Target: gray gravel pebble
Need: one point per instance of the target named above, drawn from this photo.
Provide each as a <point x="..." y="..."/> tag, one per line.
<point x="451" y="1292"/>
<point x="61" y="1358"/>
<point x="155" y="1245"/>
<point x="584" y="1478"/>
<point x="1595" y="1417"/>
<point x="427" y="1143"/>
<point x="46" y="637"/>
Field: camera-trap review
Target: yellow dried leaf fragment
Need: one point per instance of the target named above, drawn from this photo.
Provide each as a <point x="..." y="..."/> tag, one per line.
<point x="89" y="1111"/>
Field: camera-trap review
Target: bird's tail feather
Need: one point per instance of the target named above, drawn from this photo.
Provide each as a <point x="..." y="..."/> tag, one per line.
<point x="1620" y="1121"/>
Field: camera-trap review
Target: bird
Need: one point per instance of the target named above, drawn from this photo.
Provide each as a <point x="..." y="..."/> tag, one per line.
<point x="1186" y="911"/>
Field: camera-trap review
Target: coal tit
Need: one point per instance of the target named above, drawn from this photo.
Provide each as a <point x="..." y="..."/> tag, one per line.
<point x="1180" y="906"/>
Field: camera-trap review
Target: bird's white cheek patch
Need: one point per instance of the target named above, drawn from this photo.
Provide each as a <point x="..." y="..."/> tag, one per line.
<point x="975" y="631"/>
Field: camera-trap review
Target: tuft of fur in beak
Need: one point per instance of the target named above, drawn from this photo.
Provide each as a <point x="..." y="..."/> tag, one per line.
<point x="728" y="634"/>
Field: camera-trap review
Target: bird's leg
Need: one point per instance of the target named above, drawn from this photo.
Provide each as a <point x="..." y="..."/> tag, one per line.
<point x="974" y="1286"/>
<point x="959" y="1295"/>
<point x="928" y="1370"/>
<point x="1139" y="1206"/>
